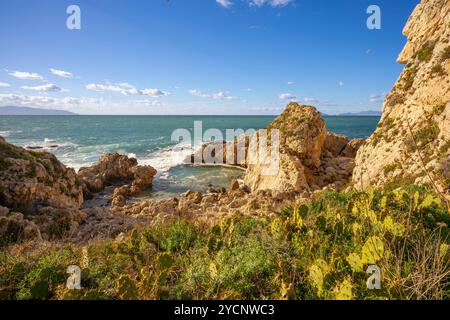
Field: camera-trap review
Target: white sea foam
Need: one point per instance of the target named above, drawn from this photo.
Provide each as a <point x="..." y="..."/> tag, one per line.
<point x="5" y="134"/>
<point x="169" y="157"/>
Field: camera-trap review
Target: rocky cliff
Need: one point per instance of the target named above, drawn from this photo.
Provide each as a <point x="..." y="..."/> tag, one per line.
<point x="310" y="157"/>
<point x="41" y="199"/>
<point x="412" y="141"/>
<point x="30" y="180"/>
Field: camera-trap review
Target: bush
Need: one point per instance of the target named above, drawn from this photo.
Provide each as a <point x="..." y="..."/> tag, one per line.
<point x="426" y="52"/>
<point x="317" y="250"/>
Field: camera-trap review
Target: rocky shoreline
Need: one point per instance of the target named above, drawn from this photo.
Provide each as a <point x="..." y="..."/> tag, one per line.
<point x="43" y="200"/>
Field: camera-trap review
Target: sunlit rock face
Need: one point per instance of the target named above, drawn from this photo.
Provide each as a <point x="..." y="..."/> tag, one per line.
<point x="411" y="143"/>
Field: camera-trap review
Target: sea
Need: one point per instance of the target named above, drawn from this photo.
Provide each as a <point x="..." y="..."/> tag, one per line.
<point x="79" y="141"/>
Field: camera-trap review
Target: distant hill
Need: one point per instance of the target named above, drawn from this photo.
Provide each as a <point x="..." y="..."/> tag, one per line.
<point x="362" y="114"/>
<point x="25" y="111"/>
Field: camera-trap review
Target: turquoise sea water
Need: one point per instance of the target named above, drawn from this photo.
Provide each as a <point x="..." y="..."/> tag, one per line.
<point x="80" y="140"/>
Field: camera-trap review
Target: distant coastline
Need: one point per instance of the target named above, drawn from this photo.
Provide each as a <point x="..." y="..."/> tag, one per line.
<point x="32" y="111"/>
<point x="27" y="111"/>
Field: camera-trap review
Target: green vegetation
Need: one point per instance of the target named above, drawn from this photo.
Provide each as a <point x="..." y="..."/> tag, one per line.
<point x="408" y="78"/>
<point x="426" y="52"/>
<point x="438" y="70"/>
<point x="391" y="167"/>
<point x="428" y="134"/>
<point x="316" y="250"/>
<point x="443" y="150"/>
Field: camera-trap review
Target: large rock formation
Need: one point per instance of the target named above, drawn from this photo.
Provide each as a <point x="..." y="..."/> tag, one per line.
<point x="310" y="158"/>
<point x="39" y="197"/>
<point x="30" y="180"/>
<point x="412" y="141"/>
<point x="114" y="168"/>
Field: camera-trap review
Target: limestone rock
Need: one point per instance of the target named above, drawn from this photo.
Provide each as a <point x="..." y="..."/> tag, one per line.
<point x="302" y="133"/>
<point x="335" y="143"/>
<point x="29" y="180"/>
<point x="143" y="176"/>
<point x="414" y="129"/>
<point x="111" y="168"/>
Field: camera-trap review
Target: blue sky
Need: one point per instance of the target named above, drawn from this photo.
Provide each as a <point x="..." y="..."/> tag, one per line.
<point x="199" y="56"/>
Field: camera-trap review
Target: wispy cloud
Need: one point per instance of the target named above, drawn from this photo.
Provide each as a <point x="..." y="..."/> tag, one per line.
<point x="287" y="96"/>
<point x="4" y="85"/>
<point x="23" y="75"/>
<point x="224" y="3"/>
<point x="156" y="93"/>
<point x="289" y="83"/>
<point x="61" y="73"/>
<point x="272" y="3"/>
<point x="377" y="97"/>
<point x="45" y="88"/>
<point x="322" y="102"/>
<point x="341" y="83"/>
<point x="80" y="105"/>
<point x="126" y="89"/>
<point x="216" y="96"/>
<point x="257" y="3"/>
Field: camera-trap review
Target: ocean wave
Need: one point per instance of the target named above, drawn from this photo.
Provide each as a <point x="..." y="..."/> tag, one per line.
<point x="166" y="158"/>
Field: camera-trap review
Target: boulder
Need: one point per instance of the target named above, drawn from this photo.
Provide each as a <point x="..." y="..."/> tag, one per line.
<point x="110" y="169"/>
<point x="29" y="180"/>
<point x="143" y="176"/>
<point x="335" y="143"/>
<point x="352" y="148"/>
<point x="302" y="135"/>
<point x="16" y="229"/>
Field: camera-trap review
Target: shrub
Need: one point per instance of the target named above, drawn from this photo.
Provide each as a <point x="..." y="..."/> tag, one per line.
<point x="438" y="70"/>
<point x="319" y="249"/>
<point x="426" y="52"/>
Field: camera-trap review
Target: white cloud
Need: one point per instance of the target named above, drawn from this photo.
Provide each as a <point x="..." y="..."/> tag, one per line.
<point x="311" y="100"/>
<point x="224" y="3"/>
<point x="154" y="93"/>
<point x="322" y="102"/>
<point x="216" y="96"/>
<point x="267" y="109"/>
<point x="61" y="73"/>
<point x="23" y="75"/>
<point x="123" y="88"/>
<point x="126" y="89"/>
<point x="149" y="103"/>
<point x="222" y="96"/>
<point x="290" y="83"/>
<point x="257" y="3"/>
<point x="198" y="93"/>
<point x="45" y="88"/>
<point x="272" y="3"/>
<point x="287" y="96"/>
<point x="341" y="83"/>
<point x="377" y="97"/>
<point x="80" y="105"/>
<point x="4" y="85"/>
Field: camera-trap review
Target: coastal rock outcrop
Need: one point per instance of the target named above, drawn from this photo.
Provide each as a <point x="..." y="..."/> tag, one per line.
<point x="310" y="157"/>
<point x="39" y="197"/>
<point x="412" y="142"/>
<point x="117" y="169"/>
<point x="30" y="180"/>
<point x="111" y="168"/>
